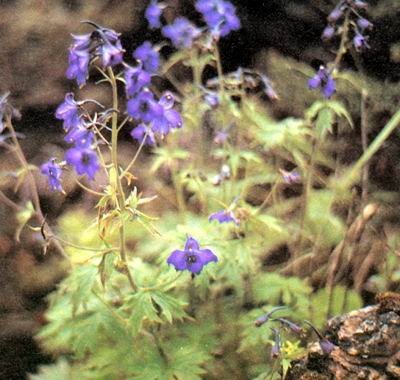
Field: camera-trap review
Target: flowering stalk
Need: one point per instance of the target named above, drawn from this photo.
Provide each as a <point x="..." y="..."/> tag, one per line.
<point x="119" y="189"/>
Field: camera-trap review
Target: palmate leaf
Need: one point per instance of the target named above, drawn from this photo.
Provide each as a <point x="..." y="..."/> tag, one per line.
<point x="171" y="307"/>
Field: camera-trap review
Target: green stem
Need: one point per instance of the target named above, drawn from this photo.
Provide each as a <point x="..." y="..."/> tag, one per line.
<point x="352" y="175"/>
<point x="120" y="190"/>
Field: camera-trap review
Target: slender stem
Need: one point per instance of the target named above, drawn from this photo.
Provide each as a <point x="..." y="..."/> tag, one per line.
<point x="32" y="185"/>
<point x="82" y="247"/>
<point x="10" y="203"/>
<point x="93" y="192"/>
<point x="130" y="165"/>
<point x="352" y="175"/>
<point x="219" y="70"/>
<point x="120" y="190"/>
<point x="364" y="142"/>
<point x="342" y="48"/>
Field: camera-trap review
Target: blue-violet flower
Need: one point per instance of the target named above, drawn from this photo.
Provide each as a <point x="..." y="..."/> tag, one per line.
<point x="323" y="80"/>
<point x="152" y="14"/>
<point x="136" y="79"/>
<point x="192" y="258"/>
<point x="139" y="132"/>
<point x="84" y="160"/>
<point x="144" y="107"/>
<point x="148" y="56"/>
<point x="181" y="33"/>
<point x="53" y="172"/>
<point x="68" y="111"/>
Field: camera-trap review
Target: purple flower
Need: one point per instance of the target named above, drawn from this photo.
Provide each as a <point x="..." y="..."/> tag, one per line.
<point x="139" y="132"/>
<point x="84" y="160"/>
<point x="181" y="33"/>
<point x="148" y="56"/>
<point x="68" y="111"/>
<point x="212" y="99"/>
<point x="359" y="4"/>
<point x="292" y="326"/>
<point x="111" y="54"/>
<point x="144" y="107"/>
<point x="53" y="172"/>
<point x="169" y="118"/>
<point x="219" y="15"/>
<point x="276" y="348"/>
<point x="335" y="15"/>
<point x="363" y="23"/>
<point x="152" y="14"/>
<point x="360" y="42"/>
<point x="220" y="137"/>
<point x="81" y="136"/>
<point x="290" y="177"/>
<point x="192" y="258"/>
<point x="326" y="346"/>
<point x="78" y="67"/>
<point x="328" y="32"/>
<point x="224" y="216"/>
<point x="323" y="80"/>
<point x="136" y="79"/>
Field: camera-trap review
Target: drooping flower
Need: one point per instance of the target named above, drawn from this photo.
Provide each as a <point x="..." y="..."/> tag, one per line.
<point x="224" y="216"/>
<point x="68" y="111"/>
<point x="144" y="107"/>
<point x="78" y="60"/>
<point x="148" y="56"/>
<point x="110" y="48"/>
<point x="84" y="160"/>
<point x="335" y="15"/>
<point x="192" y="258"/>
<point x="181" y="33"/>
<point x="153" y="13"/>
<point x="136" y="79"/>
<point x="267" y="316"/>
<point x="276" y="348"/>
<point x="360" y="4"/>
<point x="219" y="15"/>
<point x="140" y="131"/>
<point x="328" y="32"/>
<point x="360" y="42"/>
<point x="323" y="80"/>
<point x="53" y="172"/>
<point x="363" y="23"/>
<point x="292" y="326"/>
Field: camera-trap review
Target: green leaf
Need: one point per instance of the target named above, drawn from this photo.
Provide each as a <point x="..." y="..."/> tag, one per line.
<point x="324" y="122"/>
<point x="171" y="308"/>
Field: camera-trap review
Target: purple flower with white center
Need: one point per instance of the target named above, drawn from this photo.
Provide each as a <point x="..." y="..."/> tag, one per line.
<point x="136" y="79"/>
<point x="139" y="132"/>
<point x="360" y="42"/>
<point x="192" y="258"/>
<point x="53" y="172"/>
<point x="224" y="216"/>
<point x="84" y="160"/>
<point x="144" y="107"/>
<point x="328" y="32"/>
<point x="363" y="23"/>
<point x="68" y="111"/>
<point x="148" y="56"/>
<point x="170" y="118"/>
<point x="181" y="33"/>
<point x="152" y="14"/>
<point x="219" y="15"/>
<point x="323" y="80"/>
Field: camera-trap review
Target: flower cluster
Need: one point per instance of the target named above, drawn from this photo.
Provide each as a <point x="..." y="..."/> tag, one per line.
<point x="359" y="24"/>
<point x="219" y="15"/>
<point x="103" y="43"/>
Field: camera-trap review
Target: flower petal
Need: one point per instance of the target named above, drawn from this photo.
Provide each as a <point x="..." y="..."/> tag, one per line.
<point x="178" y="260"/>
